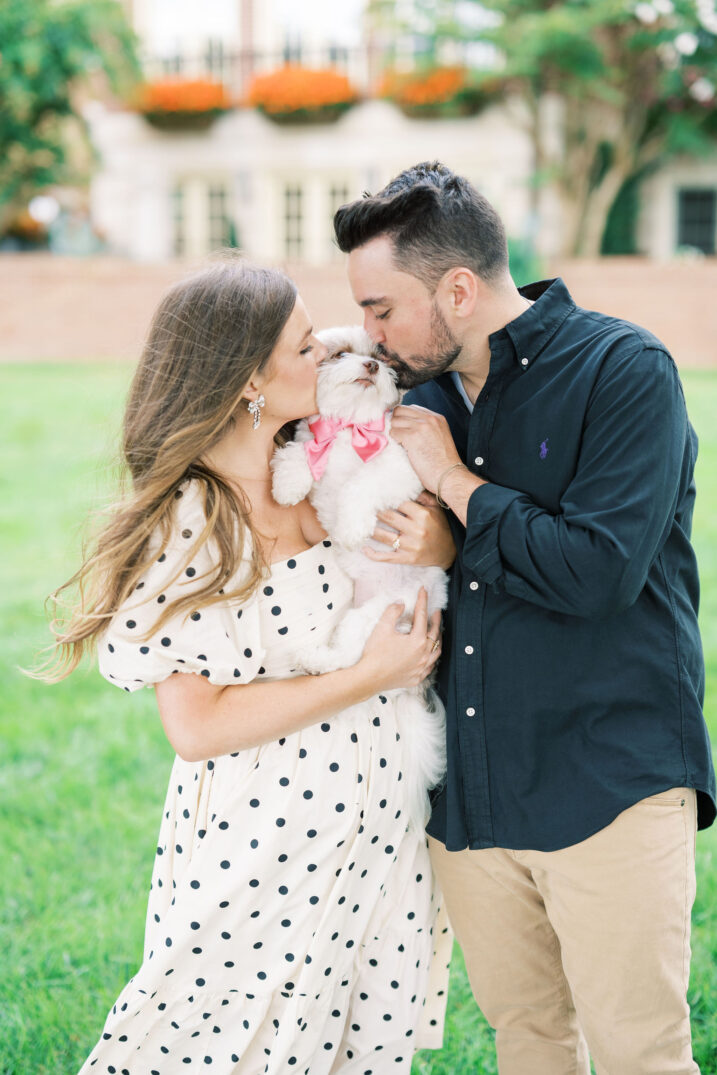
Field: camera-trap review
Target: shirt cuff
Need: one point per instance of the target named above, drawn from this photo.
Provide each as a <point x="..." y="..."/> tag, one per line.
<point x="486" y="507"/>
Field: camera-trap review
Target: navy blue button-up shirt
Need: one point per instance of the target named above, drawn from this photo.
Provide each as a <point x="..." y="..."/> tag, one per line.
<point x="572" y="668"/>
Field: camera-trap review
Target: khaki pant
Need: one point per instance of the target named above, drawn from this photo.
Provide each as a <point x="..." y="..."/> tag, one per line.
<point x="583" y="948"/>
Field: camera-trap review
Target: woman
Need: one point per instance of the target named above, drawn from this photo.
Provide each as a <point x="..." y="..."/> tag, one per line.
<point x="290" y="915"/>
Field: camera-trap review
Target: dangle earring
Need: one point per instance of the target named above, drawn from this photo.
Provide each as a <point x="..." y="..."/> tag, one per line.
<point x="254" y="407"/>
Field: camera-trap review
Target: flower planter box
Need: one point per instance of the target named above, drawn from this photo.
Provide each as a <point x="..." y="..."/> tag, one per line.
<point x="183" y="121"/>
<point x="440" y="93"/>
<point x="295" y="95"/>
<point x="182" y="104"/>
<point x="469" y="103"/>
<point x="305" y="116"/>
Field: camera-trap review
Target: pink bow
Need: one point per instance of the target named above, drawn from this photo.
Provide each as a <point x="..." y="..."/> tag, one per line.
<point x="367" y="440"/>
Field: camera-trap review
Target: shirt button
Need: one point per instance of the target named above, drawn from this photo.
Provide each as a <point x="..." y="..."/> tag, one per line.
<point x="470" y="711"/>
<point x="474" y="585"/>
<point x="469" y="649"/>
<point x="478" y="460"/>
<point x="524" y="361"/>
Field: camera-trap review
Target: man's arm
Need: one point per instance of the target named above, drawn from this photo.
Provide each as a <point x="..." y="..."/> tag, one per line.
<point x="592" y="557"/>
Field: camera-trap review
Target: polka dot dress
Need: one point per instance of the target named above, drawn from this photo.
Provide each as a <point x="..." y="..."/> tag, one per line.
<point x="293" y="921"/>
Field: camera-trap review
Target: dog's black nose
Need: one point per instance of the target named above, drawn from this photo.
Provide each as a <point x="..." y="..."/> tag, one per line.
<point x="371" y="365"/>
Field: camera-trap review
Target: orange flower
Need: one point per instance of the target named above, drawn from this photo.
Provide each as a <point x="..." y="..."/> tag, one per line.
<point x="182" y="95"/>
<point x="434" y="87"/>
<point x="292" y="88"/>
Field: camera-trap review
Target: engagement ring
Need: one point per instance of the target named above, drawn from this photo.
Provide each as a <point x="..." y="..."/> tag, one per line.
<point x="396" y="545"/>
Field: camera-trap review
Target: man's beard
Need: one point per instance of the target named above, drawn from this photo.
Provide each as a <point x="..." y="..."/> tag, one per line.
<point x="444" y="349"/>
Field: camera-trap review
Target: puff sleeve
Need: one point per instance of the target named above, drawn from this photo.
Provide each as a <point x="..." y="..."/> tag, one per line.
<point x="221" y="642"/>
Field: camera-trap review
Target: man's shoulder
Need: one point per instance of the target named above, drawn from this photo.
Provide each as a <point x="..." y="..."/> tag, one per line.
<point x="555" y="308"/>
<point x="626" y="335"/>
<point x="613" y="353"/>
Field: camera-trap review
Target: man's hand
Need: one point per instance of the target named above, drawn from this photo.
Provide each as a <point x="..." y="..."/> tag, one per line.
<point x="427" y="439"/>
<point x="423" y="534"/>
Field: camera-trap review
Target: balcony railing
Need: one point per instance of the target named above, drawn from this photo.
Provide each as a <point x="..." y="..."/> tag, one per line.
<point x="363" y="66"/>
<point x="235" y="69"/>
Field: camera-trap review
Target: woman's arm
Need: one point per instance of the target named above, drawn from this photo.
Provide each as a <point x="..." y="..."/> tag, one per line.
<point x="202" y="720"/>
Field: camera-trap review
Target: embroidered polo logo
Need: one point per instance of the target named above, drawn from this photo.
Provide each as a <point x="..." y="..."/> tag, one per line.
<point x="544" y="448"/>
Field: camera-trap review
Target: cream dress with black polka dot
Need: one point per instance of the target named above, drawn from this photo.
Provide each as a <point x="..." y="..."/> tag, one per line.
<point x="293" y="922"/>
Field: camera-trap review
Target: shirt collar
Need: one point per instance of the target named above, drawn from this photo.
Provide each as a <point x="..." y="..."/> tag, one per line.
<point x="456" y="377"/>
<point x="531" y="332"/>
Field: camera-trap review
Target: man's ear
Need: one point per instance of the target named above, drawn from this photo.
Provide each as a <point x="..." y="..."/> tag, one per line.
<point x="459" y="290"/>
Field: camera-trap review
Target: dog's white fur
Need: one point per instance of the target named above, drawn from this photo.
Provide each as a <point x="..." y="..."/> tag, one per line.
<point x="347" y="498"/>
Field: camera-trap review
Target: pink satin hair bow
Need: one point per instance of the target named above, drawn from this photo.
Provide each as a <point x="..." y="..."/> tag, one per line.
<point x="367" y="440"/>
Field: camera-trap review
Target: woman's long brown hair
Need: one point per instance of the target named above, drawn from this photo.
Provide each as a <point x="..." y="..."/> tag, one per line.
<point x="208" y="336"/>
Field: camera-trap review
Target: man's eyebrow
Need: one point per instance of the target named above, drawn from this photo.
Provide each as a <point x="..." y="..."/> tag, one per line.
<point x="373" y="302"/>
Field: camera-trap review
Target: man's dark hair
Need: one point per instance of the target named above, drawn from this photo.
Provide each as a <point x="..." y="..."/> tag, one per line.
<point x="436" y="220"/>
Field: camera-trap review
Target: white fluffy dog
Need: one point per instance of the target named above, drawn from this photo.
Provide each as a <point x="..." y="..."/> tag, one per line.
<point x="345" y="460"/>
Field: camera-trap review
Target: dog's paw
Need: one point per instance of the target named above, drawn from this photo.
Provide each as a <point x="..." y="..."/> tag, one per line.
<point x="318" y="660"/>
<point x="292" y="479"/>
<point x="352" y="531"/>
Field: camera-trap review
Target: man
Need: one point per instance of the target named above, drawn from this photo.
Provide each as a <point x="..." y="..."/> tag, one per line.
<point x="579" y="763"/>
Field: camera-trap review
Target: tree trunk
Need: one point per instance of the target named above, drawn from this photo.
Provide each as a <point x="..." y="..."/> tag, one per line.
<point x="599" y="202"/>
<point x="574" y="164"/>
<point x="570" y="217"/>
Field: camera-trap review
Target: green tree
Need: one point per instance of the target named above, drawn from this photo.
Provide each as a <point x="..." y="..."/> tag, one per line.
<point x="432" y="30"/>
<point x="50" y="53"/>
<point x="610" y="88"/>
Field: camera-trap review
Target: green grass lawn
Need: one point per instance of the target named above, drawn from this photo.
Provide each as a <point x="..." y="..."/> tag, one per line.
<point x="83" y="768"/>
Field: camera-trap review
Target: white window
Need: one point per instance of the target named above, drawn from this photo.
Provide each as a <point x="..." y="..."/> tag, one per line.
<point x="293" y="221"/>
<point x="338" y="196"/>
<point x="201" y="216"/>
<point x="220" y="225"/>
<point x="180" y="239"/>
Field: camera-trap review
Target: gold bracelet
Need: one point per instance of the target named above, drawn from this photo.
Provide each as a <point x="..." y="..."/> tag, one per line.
<point x="440" y="482"/>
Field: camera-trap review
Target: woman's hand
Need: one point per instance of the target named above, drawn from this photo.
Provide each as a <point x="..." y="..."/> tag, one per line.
<point x="422" y="531"/>
<point x="395" y="660"/>
<point x="204" y="720"/>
